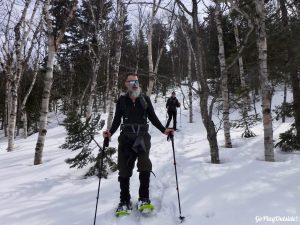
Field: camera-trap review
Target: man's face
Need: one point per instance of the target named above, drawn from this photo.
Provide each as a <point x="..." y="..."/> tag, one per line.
<point x="132" y="83"/>
<point x="173" y="94"/>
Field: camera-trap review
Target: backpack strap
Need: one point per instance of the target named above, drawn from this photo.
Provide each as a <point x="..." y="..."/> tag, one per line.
<point x="143" y="102"/>
<point x="145" y="105"/>
<point x="124" y="107"/>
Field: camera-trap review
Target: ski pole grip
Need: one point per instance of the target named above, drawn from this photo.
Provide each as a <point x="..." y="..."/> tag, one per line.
<point x="106" y="142"/>
<point x="170" y="137"/>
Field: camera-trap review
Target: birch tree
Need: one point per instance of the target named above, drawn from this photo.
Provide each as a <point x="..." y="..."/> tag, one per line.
<point x="190" y="83"/>
<point x="55" y="35"/>
<point x="266" y="90"/>
<point x="240" y="45"/>
<point x="120" y="21"/>
<point x="35" y="70"/>
<point x="7" y="59"/>
<point x="224" y="76"/>
<point x="153" y="67"/>
<point x="184" y="29"/>
<point x="246" y="99"/>
<point x="139" y="35"/>
<point x="154" y="11"/>
<point x="22" y="30"/>
<point x="97" y="11"/>
<point x="205" y="107"/>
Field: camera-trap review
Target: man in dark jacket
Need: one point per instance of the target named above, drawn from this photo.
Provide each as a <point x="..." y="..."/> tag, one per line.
<point x="171" y="106"/>
<point x="134" y="142"/>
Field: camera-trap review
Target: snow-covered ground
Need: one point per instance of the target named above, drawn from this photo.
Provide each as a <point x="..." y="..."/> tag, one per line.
<point x="242" y="190"/>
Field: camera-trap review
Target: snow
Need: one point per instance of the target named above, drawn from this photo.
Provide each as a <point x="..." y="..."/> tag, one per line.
<point x="242" y="190"/>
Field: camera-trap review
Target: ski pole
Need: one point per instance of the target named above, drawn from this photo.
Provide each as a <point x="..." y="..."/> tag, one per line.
<point x="171" y="136"/>
<point x="180" y="115"/>
<point x="166" y="118"/>
<point x="105" y="144"/>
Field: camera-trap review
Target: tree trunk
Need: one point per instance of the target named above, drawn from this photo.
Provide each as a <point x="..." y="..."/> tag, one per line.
<point x="16" y="79"/>
<point x="7" y="102"/>
<point x="79" y="106"/>
<point x="153" y="69"/>
<point x="117" y="59"/>
<point x="203" y="87"/>
<point x="23" y="105"/>
<point x="95" y="50"/>
<point x="95" y="70"/>
<point x="106" y="94"/>
<point x="7" y="64"/>
<point x="190" y="51"/>
<point x="137" y="52"/>
<point x="246" y="101"/>
<point x="266" y="90"/>
<point x="53" y="44"/>
<point x="150" y="52"/>
<point x="224" y="77"/>
<point x="284" y="101"/>
<point x="110" y="111"/>
<point x="190" y="84"/>
<point x="43" y="121"/>
<point x="189" y="76"/>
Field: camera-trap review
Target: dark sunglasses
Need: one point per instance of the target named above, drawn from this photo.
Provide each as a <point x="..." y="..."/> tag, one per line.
<point x="133" y="82"/>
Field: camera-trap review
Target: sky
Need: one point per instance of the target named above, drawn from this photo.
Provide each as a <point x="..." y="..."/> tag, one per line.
<point x="242" y="189"/>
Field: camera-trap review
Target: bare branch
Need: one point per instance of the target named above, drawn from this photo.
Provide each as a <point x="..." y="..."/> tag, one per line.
<point x="183" y="7"/>
<point x="66" y="23"/>
<point x="34" y="37"/>
<point x="245" y="40"/>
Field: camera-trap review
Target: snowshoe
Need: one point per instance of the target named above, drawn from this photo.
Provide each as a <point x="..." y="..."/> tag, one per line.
<point x="124" y="208"/>
<point x="145" y="206"/>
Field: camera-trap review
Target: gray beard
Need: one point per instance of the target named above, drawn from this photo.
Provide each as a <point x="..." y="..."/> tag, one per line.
<point x="135" y="94"/>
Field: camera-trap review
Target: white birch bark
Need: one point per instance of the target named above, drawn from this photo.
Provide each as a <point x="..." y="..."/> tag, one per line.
<point x="246" y="99"/>
<point x="106" y="94"/>
<point x="190" y="84"/>
<point x="53" y="45"/>
<point x="79" y="106"/>
<point x="150" y="51"/>
<point x="153" y="69"/>
<point x="35" y="73"/>
<point x="264" y="82"/>
<point x="6" y="61"/>
<point x="140" y="27"/>
<point x="235" y="7"/>
<point x="19" y="44"/>
<point x="190" y="49"/>
<point x="110" y="111"/>
<point x="152" y="75"/>
<point x="7" y="100"/>
<point x="95" y="70"/>
<point x="240" y="60"/>
<point x="117" y="58"/>
<point x="224" y="77"/>
<point x="95" y="54"/>
<point x="23" y="105"/>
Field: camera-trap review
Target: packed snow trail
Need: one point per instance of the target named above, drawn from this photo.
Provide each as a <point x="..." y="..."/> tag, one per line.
<point x="241" y="190"/>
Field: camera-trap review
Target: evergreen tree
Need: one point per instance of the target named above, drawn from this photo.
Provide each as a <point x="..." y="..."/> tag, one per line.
<point x="80" y="136"/>
<point x="288" y="140"/>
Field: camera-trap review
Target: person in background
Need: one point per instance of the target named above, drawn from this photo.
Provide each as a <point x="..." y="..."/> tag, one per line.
<point x="172" y="105"/>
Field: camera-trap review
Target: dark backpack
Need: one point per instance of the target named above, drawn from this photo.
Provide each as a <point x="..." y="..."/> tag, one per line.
<point x="125" y="108"/>
<point x="172" y="104"/>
